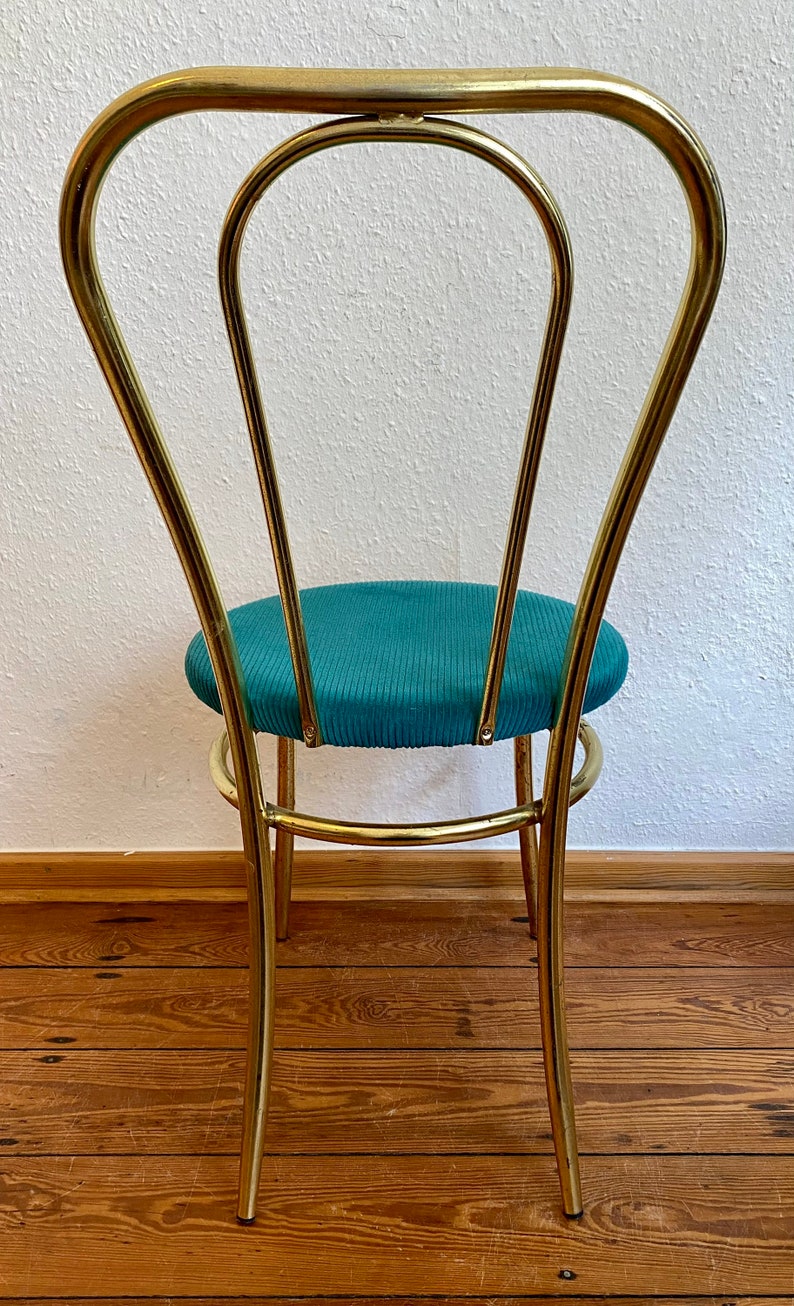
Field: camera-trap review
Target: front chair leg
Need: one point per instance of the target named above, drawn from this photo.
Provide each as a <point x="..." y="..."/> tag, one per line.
<point x="527" y="835"/>
<point x="284" y="839"/>
<point x="261" y="1003"/>
<point x="551" y="985"/>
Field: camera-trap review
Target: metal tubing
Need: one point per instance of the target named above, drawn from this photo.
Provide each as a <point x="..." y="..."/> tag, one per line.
<point x="551" y="988"/>
<point x="285" y="839"/>
<point x="427" y="131"/>
<point x="261" y="1014"/>
<point x="397" y="836"/>
<point x="400" y="836"/>
<point x="527" y="834"/>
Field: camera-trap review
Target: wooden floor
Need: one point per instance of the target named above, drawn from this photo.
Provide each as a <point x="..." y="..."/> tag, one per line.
<point x="409" y="1153"/>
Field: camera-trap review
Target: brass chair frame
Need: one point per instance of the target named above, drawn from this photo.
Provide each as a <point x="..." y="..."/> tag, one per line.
<point x="395" y="105"/>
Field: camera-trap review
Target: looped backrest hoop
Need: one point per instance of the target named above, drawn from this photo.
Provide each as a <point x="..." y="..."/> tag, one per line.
<point x="432" y="131"/>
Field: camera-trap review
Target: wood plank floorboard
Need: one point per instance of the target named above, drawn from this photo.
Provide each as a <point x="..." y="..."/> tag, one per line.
<point x="387" y="1225"/>
<point x="419" y="1007"/>
<point x="408" y="1153"/>
<point x="500" y="1300"/>
<point x="147" y="1103"/>
<point x="443" y="933"/>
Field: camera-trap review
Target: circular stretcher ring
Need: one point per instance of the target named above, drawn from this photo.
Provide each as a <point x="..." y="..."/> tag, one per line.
<point x="404" y="836"/>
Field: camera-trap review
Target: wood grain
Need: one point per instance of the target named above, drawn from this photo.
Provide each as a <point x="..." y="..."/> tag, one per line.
<point x="408" y="1154"/>
<point x="145" y="1103"/>
<point x="396" y="1225"/>
<point x="457" y="933"/>
<point x="484" y="934"/>
<point x="356" y="872"/>
<point x="407" y="1301"/>
<point x="422" y="1008"/>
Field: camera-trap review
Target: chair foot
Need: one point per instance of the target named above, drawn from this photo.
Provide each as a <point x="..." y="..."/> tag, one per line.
<point x="284" y="840"/>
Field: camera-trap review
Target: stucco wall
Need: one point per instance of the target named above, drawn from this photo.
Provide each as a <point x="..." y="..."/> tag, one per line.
<point x="397" y="295"/>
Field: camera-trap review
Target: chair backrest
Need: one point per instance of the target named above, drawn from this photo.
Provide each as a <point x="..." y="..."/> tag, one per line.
<point x="434" y="131"/>
<point x="393" y="105"/>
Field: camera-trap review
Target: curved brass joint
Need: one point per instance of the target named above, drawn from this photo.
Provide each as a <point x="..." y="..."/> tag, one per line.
<point x="398" y="118"/>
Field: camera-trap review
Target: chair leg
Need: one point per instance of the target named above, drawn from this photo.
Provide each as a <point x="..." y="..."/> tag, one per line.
<point x="527" y="835"/>
<point x="551" y="982"/>
<point x="261" y="996"/>
<point x="284" y="839"/>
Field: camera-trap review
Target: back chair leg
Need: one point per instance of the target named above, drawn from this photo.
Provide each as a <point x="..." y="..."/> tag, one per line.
<point x="527" y="835"/>
<point x="284" y="839"/>
<point x="551" y="982"/>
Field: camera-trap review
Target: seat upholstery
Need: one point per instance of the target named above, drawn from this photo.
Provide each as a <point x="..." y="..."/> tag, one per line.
<point x="401" y="664"/>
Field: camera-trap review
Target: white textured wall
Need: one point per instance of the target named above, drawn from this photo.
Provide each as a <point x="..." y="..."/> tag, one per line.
<point x="397" y="294"/>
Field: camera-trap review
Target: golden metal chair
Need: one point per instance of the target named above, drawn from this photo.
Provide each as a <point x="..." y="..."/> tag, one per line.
<point x="394" y="106"/>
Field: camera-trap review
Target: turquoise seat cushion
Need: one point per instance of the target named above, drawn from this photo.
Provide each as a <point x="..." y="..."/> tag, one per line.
<point x="400" y="664"/>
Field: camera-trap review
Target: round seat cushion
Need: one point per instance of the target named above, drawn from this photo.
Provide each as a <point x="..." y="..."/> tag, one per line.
<point x="401" y="664"/>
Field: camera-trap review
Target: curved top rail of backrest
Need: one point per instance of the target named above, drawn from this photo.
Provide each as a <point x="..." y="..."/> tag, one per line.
<point x="387" y="95"/>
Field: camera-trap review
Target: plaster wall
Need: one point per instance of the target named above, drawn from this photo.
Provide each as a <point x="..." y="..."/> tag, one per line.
<point x="397" y="296"/>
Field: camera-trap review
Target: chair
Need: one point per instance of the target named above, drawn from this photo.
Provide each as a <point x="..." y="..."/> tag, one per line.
<point x="400" y="664"/>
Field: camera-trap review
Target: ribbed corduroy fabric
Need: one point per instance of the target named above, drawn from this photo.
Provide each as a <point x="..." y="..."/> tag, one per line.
<point x="400" y="664"/>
